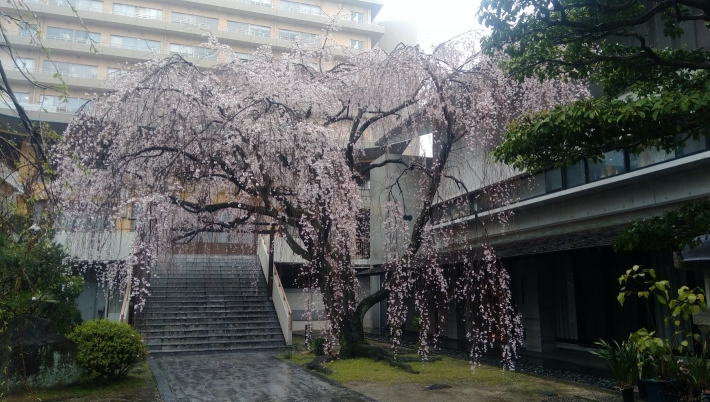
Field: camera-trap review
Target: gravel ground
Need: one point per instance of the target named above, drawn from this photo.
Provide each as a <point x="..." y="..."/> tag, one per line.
<point x="525" y="368"/>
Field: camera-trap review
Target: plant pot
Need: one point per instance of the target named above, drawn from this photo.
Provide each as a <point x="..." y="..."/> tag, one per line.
<point x="628" y="394"/>
<point x="643" y="393"/>
<point x="661" y="390"/>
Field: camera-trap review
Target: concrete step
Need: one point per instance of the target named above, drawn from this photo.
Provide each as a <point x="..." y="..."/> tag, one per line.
<point x="207" y="307"/>
<point x="205" y="336"/>
<point x="232" y="316"/>
<point x="200" y="304"/>
<point x="219" y="329"/>
<point x="187" y="300"/>
<point x="201" y="349"/>
<point x="215" y="345"/>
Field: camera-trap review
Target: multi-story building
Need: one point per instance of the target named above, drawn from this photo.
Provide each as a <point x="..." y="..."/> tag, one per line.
<point x="88" y="40"/>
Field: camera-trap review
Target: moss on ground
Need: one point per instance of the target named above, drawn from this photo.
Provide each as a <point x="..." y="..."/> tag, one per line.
<point x="487" y="383"/>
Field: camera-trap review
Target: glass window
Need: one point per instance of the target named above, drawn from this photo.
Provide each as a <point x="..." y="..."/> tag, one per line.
<point x="691" y="146"/>
<point x="70" y="69"/>
<point x="575" y="175"/>
<point x="285" y="34"/>
<point x="532" y="186"/>
<point x="248" y="29"/>
<point x="299" y="7"/>
<point x="194" y="20"/>
<point x="650" y="156"/>
<point x="24" y="64"/>
<point x="357" y="17"/>
<point x="611" y="164"/>
<point x="53" y="103"/>
<point x="112" y="70"/>
<point x="243" y="56"/>
<point x="71" y="35"/>
<point x="192" y="51"/>
<point x="357" y="44"/>
<point x="139" y="12"/>
<point x="126" y="42"/>
<point x="553" y="180"/>
<point x="27" y="30"/>
<point x="91" y="5"/>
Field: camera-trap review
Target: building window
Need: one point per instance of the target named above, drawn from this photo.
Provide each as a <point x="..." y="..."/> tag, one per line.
<point x="300" y="7"/>
<point x="73" y="35"/>
<point x="24" y="64"/>
<point x="265" y="3"/>
<point x="648" y="157"/>
<point x="53" y="103"/>
<point x="611" y="164"/>
<point x="90" y="5"/>
<point x="357" y="44"/>
<point x="285" y="34"/>
<point x="248" y="29"/>
<point x="70" y="69"/>
<point x="139" y="12"/>
<point x="357" y="17"/>
<point x="194" y="20"/>
<point x="553" y="180"/>
<point x="126" y="42"/>
<point x="192" y="51"/>
<point x="22" y="97"/>
<point x="28" y="30"/>
<point x="243" y="56"/>
<point x="690" y="145"/>
<point x="575" y="175"/>
<point x="112" y="70"/>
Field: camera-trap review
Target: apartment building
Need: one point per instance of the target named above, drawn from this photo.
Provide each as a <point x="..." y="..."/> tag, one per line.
<point x="88" y="40"/>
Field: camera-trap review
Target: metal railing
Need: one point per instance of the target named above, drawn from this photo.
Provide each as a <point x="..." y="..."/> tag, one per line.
<point x="210" y="56"/>
<point x="59" y="3"/>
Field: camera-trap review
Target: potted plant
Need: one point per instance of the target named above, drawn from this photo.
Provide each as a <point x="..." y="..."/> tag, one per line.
<point x="665" y="375"/>
<point x="622" y="359"/>
<point x="699" y="373"/>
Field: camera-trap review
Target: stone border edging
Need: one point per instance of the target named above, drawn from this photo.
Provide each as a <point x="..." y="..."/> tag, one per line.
<point x="163" y="388"/>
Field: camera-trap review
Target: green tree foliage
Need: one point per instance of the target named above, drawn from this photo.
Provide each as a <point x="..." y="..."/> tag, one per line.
<point x="653" y="96"/>
<point x="33" y="276"/>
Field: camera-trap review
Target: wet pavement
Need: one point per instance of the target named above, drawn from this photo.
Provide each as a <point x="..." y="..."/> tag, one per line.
<point x="242" y="377"/>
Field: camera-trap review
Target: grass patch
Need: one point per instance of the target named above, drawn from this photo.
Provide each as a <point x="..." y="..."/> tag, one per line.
<point x="448" y="370"/>
<point x="139" y="386"/>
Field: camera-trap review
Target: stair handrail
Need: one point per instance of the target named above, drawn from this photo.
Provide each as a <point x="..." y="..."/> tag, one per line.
<point x="278" y="294"/>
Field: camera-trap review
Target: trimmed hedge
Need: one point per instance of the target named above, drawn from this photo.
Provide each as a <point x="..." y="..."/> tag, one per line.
<point x="107" y="350"/>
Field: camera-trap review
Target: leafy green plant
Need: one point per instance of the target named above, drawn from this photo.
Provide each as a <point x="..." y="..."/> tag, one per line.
<point x="661" y="352"/>
<point x="287" y="351"/>
<point x="319" y="346"/>
<point x="622" y="359"/>
<point x="699" y="369"/>
<point x="107" y="350"/>
<point x="34" y="276"/>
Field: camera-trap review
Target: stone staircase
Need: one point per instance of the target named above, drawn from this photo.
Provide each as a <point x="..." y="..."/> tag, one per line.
<point x="203" y="303"/>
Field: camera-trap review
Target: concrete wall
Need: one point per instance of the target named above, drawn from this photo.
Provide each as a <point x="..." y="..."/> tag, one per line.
<point x="407" y="194"/>
<point x="613" y="201"/>
<point x="396" y="32"/>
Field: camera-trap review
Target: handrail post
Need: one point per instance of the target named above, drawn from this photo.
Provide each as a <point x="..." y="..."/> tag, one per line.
<point x="270" y="279"/>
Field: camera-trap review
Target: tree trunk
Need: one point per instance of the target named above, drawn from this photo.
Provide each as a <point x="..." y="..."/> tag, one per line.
<point x="353" y="334"/>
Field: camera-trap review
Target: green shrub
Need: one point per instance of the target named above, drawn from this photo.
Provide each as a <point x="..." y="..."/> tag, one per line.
<point x="34" y="276"/>
<point x="319" y="346"/>
<point x="107" y="350"/>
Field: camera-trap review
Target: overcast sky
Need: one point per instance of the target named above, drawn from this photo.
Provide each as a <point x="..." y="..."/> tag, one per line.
<point x="437" y="20"/>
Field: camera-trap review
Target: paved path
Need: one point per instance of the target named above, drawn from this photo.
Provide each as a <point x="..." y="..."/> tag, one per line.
<point x="258" y="377"/>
